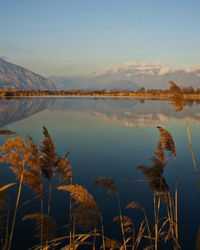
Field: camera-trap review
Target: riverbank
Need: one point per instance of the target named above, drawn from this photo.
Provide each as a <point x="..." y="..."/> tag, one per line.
<point x="95" y="94"/>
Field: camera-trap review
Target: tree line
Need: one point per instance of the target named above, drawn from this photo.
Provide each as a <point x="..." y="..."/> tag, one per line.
<point x="95" y="92"/>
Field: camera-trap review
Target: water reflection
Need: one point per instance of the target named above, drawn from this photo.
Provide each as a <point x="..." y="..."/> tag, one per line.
<point x="12" y="110"/>
<point x="127" y="112"/>
<point x="111" y="137"/>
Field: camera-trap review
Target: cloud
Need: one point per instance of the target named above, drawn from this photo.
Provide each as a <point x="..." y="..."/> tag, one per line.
<point x="191" y="69"/>
<point x="134" y="67"/>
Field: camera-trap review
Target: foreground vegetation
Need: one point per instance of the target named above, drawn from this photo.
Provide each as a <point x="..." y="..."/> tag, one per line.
<point x="38" y="167"/>
<point x="31" y="163"/>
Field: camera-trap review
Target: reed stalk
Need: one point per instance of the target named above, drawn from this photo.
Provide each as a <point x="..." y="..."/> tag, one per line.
<point x="70" y="218"/>
<point x="74" y="229"/>
<point x="155" y="223"/>
<point x="191" y="149"/>
<point x="16" y="206"/>
<point x="133" y="244"/>
<point x="49" y="200"/>
<point x="176" y="215"/>
<point x="42" y="211"/>
<point x="7" y="230"/>
<point x="147" y="223"/>
<point x="121" y="221"/>
<point x="94" y="239"/>
<point x="103" y="235"/>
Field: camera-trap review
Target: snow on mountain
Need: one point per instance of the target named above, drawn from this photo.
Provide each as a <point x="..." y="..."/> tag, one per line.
<point x="15" y="77"/>
<point x="133" y="75"/>
<point x="131" y="68"/>
<point x="150" y="74"/>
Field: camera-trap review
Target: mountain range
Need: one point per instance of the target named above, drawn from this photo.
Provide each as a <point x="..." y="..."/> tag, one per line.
<point x="129" y="75"/>
<point x="133" y="75"/>
<point x="15" y="77"/>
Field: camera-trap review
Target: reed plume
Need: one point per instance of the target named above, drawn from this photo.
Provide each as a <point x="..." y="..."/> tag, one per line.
<point x="133" y="205"/>
<point x="7" y="132"/>
<point x="127" y="223"/>
<point x="79" y="194"/>
<point x="112" y="244"/>
<point x="48" y="155"/>
<point x="16" y="144"/>
<point x="64" y="168"/>
<point x="86" y="217"/>
<point x="106" y="183"/>
<point x="175" y="89"/>
<point x="32" y="178"/>
<point x="109" y="185"/>
<point x="49" y="225"/>
<point x="154" y="173"/>
<point x="166" y="140"/>
<point x="33" y="159"/>
<point x="14" y="151"/>
<point x="179" y="103"/>
<point x="177" y="99"/>
<point x="157" y="183"/>
<point x="87" y="212"/>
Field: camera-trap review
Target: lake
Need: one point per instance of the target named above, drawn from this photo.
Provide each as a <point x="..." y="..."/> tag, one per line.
<point x="111" y="137"/>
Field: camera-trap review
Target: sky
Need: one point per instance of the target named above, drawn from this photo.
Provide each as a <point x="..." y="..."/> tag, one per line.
<point x="77" y="37"/>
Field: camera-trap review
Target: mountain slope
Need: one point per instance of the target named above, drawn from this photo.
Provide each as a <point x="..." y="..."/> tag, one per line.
<point x="15" y="77"/>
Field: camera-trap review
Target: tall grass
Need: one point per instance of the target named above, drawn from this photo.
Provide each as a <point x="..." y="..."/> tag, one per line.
<point x="34" y="164"/>
<point x="179" y="103"/>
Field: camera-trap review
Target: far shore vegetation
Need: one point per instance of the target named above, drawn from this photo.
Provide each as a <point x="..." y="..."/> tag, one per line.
<point x="188" y="93"/>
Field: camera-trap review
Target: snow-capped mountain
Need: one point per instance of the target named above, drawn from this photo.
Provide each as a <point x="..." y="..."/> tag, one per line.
<point x="15" y="77"/>
<point x="133" y="75"/>
<point x="150" y="74"/>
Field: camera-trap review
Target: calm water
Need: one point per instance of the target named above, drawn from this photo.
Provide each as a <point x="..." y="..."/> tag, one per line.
<point x="109" y="137"/>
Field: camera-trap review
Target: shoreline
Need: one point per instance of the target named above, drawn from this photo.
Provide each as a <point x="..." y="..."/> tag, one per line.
<point x="115" y="96"/>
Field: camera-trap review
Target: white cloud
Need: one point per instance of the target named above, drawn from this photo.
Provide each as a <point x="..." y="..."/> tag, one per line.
<point x="134" y="67"/>
<point x="131" y="68"/>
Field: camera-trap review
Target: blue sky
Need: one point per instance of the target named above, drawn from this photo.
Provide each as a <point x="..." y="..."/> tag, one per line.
<point x="74" y="37"/>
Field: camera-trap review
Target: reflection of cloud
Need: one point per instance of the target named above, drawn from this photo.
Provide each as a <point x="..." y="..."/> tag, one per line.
<point x="130" y="120"/>
<point x="126" y="112"/>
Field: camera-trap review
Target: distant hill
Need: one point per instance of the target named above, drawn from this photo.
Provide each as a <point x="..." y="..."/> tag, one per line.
<point x="133" y="75"/>
<point x="91" y="82"/>
<point x="15" y="77"/>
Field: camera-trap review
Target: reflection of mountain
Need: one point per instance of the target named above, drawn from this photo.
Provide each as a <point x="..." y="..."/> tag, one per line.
<point x="12" y="110"/>
<point x="127" y="112"/>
